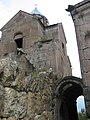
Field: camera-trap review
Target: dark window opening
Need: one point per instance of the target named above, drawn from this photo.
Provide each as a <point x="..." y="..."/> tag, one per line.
<point x="63" y="48"/>
<point x="19" y="44"/>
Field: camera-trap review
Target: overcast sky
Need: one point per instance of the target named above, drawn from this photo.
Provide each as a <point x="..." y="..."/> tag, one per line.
<point x="54" y="10"/>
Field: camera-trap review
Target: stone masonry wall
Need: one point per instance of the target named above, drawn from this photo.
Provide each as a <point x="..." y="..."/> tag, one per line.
<point x="25" y="94"/>
<point x="81" y="18"/>
<point x="23" y="23"/>
<point x="45" y="46"/>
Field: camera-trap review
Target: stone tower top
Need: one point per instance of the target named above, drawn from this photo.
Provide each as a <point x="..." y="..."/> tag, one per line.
<point x="35" y="11"/>
<point x="42" y="18"/>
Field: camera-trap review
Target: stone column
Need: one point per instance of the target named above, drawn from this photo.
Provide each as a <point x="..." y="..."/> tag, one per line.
<point x="81" y="17"/>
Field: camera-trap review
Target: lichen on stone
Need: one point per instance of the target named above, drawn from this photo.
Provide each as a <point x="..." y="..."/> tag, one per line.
<point x="26" y="96"/>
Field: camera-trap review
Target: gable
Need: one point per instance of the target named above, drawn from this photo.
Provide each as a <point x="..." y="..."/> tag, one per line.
<point x="19" y="17"/>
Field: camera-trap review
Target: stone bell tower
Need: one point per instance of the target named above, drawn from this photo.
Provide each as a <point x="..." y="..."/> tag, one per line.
<point x="81" y="17"/>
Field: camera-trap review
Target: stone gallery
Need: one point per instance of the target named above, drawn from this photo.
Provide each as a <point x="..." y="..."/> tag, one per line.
<point x="36" y="81"/>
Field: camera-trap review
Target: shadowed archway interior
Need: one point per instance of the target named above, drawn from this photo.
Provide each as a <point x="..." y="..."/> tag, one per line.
<point x="68" y="90"/>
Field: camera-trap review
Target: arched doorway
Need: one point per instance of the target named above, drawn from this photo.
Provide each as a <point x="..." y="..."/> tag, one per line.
<point x="68" y="90"/>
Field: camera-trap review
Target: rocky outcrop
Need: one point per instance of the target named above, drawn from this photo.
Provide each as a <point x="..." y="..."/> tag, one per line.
<point x="25" y="93"/>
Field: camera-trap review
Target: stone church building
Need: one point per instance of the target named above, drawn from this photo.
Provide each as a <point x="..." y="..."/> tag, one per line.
<point x="44" y="44"/>
<point x="32" y="53"/>
<point x="36" y="81"/>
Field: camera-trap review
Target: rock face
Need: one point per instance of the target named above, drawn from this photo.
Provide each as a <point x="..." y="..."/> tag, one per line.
<point x="25" y="96"/>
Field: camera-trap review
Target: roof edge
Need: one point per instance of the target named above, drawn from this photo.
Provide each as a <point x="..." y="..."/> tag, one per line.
<point x="73" y="7"/>
<point x="16" y="14"/>
<point x="10" y="20"/>
<point x="82" y="3"/>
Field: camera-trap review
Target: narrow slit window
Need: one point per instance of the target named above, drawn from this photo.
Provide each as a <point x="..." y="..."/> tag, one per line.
<point x="63" y="48"/>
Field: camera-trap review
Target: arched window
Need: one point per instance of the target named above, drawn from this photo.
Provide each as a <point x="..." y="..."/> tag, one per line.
<point x="19" y="41"/>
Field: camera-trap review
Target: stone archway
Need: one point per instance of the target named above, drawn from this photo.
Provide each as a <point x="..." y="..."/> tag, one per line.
<point x="67" y="91"/>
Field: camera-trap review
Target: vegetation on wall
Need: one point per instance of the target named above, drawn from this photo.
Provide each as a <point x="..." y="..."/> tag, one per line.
<point x="82" y="115"/>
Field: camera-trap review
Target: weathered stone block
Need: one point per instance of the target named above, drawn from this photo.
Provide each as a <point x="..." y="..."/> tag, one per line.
<point x="87" y="93"/>
<point x="1" y="99"/>
<point x="87" y="18"/>
<point x="88" y="108"/>
<point x="11" y="118"/>
<point x="81" y="42"/>
<point x="34" y="104"/>
<point x="21" y="105"/>
<point x="86" y="53"/>
<point x="9" y="102"/>
<point x="86" y="66"/>
<point x="79" y="21"/>
<point x="86" y="78"/>
<point x="15" y="103"/>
